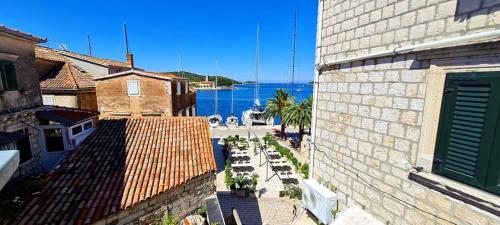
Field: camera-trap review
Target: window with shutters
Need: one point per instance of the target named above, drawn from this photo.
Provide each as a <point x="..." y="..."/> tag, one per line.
<point x="8" y="78"/>
<point x="468" y="140"/>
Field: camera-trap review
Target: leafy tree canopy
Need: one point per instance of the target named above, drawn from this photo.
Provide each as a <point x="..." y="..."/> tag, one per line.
<point x="221" y="80"/>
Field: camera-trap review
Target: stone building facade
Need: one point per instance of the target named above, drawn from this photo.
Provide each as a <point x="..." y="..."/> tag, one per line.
<point x="157" y="94"/>
<point x="379" y="90"/>
<point x="179" y="203"/>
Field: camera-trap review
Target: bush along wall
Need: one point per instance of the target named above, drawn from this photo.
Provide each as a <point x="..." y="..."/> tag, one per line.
<point x="286" y="152"/>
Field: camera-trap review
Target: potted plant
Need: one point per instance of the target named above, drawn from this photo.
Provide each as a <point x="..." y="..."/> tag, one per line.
<point x="253" y="188"/>
<point x="241" y="185"/>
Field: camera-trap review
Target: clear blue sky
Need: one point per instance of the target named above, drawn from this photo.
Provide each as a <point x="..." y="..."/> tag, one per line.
<point x="158" y="30"/>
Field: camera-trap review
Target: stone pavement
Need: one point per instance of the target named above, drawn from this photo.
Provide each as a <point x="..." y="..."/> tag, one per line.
<point x="269" y="208"/>
<point x="277" y="211"/>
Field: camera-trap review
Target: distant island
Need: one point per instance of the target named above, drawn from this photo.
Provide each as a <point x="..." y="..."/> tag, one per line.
<point x="193" y="77"/>
<point x="249" y="82"/>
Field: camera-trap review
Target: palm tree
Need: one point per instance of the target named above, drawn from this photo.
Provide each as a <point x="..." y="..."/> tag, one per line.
<point x="299" y="115"/>
<point x="276" y="106"/>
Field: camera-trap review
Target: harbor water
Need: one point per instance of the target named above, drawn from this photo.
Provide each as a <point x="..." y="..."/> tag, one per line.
<point x="244" y="97"/>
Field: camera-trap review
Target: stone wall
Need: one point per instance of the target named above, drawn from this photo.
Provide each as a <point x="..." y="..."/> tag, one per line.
<point x="376" y="118"/>
<point x="87" y="100"/>
<point x="370" y="121"/>
<point x="357" y="27"/>
<point x="178" y="202"/>
<point x="112" y="96"/>
<point x="28" y="93"/>
<point x="12" y="123"/>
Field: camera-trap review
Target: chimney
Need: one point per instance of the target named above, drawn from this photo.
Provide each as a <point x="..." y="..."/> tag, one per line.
<point x="130" y="59"/>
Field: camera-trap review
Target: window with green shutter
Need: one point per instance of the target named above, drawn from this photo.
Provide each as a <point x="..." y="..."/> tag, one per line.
<point x="8" y="76"/>
<point x="468" y="126"/>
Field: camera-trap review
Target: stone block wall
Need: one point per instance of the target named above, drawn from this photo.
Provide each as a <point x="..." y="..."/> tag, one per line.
<point x="179" y="202"/>
<point x="112" y="96"/>
<point x="370" y="123"/>
<point x="28" y="93"/>
<point x="370" y="130"/>
<point x="357" y="27"/>
<point x="11" y="123"/>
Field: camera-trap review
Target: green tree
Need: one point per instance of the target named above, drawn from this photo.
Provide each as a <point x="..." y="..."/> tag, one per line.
<point x="276" y="107"/>
<point x="299" y="115"/>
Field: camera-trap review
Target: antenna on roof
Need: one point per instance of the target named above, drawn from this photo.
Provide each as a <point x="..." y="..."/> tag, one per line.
<point x="129" y="56"/>
<point x="126" y="37"/>
<point x="182" y="68"/>
<point x="90" y="45"/>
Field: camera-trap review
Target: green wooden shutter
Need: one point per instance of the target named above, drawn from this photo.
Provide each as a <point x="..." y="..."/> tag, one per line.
<point x="468" y="119"/>
<point x="493" y="179"/>
<point x="10" y="76"/>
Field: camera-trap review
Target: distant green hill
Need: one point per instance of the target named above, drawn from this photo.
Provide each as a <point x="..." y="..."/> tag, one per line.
<point x="221" y="80"/>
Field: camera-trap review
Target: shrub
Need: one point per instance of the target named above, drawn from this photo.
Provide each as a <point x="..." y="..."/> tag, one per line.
<point x="293" y="191"/>
<point x="169" y="220"/>
<point x="255" y="176"/>
<point x="305" y="170"/>
<point x="227" y="179"/>
<point x="202" y="210"/>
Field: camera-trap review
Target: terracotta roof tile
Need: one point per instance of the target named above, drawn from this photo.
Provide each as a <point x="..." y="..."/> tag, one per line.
<point x="65" y="76"/>
<point x="124" y="162"/>
<point x="21" y="34"/>
<point x="96" y="60"/>
<point x="164" y="74"/>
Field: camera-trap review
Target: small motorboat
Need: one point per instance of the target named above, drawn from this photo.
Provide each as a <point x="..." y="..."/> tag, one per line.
<point x="232" y="121"/>
<point x="214" y="120"/>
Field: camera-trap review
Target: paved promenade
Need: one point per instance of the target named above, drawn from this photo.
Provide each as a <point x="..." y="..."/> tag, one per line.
<point x="270" y="209"/>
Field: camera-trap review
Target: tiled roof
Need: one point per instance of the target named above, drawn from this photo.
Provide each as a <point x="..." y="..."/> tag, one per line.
<point x="21" y="34"/>
<point x="125" y="161"/>
<point x="65" y="76"/>
<point x="163" y="74"/>
<point x="92" y="59"/>
<point x="136" y="72"/>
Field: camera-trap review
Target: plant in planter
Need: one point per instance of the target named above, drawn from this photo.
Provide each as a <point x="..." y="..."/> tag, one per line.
<point x="241" y="183"/>
<point x="292" y="191"/>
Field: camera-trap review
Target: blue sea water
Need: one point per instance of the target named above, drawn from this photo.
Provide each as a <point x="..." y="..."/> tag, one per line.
<point x="243" y="98"/>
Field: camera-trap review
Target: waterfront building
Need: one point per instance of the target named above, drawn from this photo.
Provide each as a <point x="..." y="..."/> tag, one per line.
<point x="140" y="93"/>
<point x="406" y="108"/>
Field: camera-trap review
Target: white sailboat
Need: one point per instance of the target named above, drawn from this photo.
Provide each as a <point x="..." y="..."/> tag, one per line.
<point x="216" y="119"/>
<point x="255" y="115"/>
<point x="232" y="120"/>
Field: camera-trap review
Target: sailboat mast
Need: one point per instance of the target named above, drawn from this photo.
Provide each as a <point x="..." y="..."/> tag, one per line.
<point x="256" y="94"/>
<point x="182" y="68"/>
<point x="216" y="94"/>
<point x="294" y="37"/>
<point x="232" y="97"/>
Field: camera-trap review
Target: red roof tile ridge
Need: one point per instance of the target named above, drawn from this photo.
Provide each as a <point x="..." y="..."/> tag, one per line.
<point x="22" y="34"/>
<point x="94" y="59"/>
